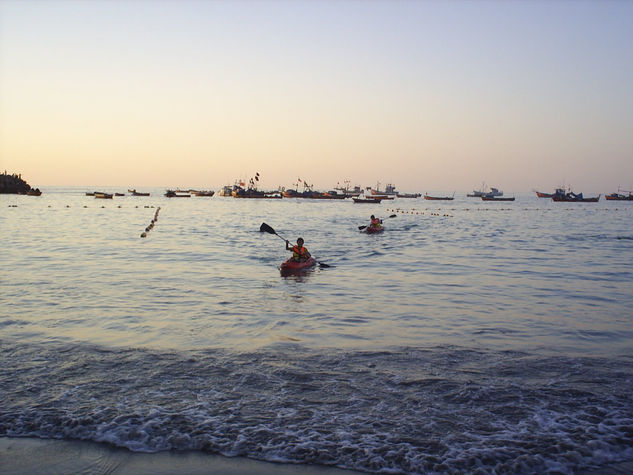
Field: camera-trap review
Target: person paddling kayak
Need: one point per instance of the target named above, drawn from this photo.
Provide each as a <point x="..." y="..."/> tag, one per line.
<point x="299" y="252"/>
<point x="375" y="222"/>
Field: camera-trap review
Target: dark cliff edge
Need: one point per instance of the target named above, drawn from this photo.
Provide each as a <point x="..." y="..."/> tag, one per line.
<point x="14" y="184"/>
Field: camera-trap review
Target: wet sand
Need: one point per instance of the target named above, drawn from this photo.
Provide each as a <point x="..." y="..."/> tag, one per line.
<point x="47" y="456"/>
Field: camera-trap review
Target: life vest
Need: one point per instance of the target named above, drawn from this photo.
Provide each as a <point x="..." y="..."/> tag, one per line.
<point x="300" y="253"/>
<point x="375" y="223"/>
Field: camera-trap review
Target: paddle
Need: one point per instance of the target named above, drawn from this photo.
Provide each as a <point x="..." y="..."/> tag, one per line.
<point x="360" y="228"/>
<point x="264" y="228"/>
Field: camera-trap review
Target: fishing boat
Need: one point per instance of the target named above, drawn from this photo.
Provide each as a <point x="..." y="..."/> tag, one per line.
<point x="34" y="192"/>
<point x="438" y="198"/>
<point x="334" y="195"/>
<point x="203" y="193"/>
<point x="308" y="191"/>
<point x="347" y="191"/>
<point x="619" y="196"/>
<point x="479" y="193"/>
<point x="240" y="192"/>
<point x="575" y="197"/>
<point x="138" y="193"/>
<point x="389" y="193"/>
<point x="558" y="191"/>
<point x="226" y="190"/>
<point x="408" y="195"/>
<point x="103" y="196"/>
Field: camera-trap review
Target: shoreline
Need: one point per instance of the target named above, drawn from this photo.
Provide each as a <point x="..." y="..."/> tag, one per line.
<point x="44" y="456"/>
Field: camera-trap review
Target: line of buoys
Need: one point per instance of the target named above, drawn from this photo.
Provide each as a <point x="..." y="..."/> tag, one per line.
<point x="151" y="224"/>
<point x="413" y="211"/>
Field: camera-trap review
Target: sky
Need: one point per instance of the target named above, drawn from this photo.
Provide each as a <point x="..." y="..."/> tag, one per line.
<point x="428" y="95"/>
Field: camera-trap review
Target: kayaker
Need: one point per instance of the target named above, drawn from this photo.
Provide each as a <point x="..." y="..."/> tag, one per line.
<point x="299" y="253"/>
<point x="375" y="222"/>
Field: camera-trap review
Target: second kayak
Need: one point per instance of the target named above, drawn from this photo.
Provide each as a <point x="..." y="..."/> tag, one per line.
<point x="370" y="230"/>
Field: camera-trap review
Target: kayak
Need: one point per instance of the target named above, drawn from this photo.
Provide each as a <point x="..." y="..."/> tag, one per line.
<point x="370" y="230"/>
<point x="294" y="266"/>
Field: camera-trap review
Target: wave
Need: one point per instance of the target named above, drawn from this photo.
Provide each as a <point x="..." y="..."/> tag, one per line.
<point x="435" y="409"/>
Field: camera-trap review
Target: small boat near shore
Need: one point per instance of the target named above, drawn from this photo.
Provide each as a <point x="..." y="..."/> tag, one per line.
<point x="439" y="198"/>
<point x="497" y="198"/>
<point x="138" y="193"/>
<point x="367" y="200"/>
<point x="103" y="196"/>
<point x="208" y="193"/>
<point x="173" y="194"/>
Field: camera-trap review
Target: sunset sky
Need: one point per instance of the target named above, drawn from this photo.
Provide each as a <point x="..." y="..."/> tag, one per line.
<point x="429" y="95"/>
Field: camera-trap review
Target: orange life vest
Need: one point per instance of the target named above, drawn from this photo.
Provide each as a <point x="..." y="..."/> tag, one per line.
<point x="300" y="253"/>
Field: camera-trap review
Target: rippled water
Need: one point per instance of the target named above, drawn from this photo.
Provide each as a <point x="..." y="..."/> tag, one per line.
<point x="467" y="335"/>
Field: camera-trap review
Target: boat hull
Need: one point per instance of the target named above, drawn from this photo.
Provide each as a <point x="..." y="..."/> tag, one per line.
<point x="366" y="200"/>
<point x="438" y="198"/>
<point x="617" y="197"/>
<point x="576" y="200"/>
<point x="372" y="230"/>
<point x="290" y="266"/>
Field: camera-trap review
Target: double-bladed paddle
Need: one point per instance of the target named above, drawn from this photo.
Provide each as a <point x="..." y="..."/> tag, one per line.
<point x="360" y="228"/>
<point x="265" y="228"/>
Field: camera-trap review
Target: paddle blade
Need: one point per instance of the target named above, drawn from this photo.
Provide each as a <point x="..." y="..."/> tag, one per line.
<point x="393" y="216"/>
<point x="324" y="265"/>
<point x="360" y="228"/>
<point x="264" y="228"/>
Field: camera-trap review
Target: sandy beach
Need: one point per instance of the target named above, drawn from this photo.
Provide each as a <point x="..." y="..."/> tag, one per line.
<point x="46" y="456"/>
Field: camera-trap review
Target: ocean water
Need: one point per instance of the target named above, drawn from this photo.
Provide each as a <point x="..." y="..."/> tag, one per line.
<point x="469" y="336"/>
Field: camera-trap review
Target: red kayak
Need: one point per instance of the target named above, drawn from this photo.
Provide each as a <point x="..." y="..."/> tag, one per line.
<point x="294" y="266"/>
<point x="370" y="230"/>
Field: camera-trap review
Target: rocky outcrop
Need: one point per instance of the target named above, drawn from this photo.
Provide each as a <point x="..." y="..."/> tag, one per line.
<point x="15" y="184"/>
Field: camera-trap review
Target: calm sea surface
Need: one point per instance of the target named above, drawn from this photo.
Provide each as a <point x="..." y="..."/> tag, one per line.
<point x="468" y="336"/>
